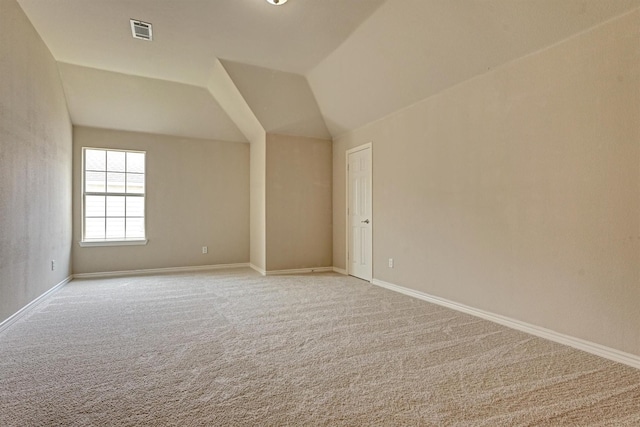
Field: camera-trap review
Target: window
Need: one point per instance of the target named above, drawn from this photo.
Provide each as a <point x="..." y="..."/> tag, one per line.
<point x="113" y="193"/>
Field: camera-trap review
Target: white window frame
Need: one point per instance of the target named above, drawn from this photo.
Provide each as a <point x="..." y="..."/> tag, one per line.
<point x="109" y="241"/>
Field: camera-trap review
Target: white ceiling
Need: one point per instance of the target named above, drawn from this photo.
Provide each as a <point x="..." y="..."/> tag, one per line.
<point x="409" y="50"/>
<point x="190" y="34"/>
<point x="105" y="99"/>
<point x="282" y="102"/>
<point x="359" y="59"/>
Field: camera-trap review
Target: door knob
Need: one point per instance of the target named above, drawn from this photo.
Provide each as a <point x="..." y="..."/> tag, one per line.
<point x="366" y="221"/>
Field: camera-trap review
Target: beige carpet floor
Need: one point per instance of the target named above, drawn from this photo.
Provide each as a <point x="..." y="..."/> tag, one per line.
<point x="231" y="348"/>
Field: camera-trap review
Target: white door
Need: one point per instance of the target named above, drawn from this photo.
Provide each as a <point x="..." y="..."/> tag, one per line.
<point x="359" y="219"/>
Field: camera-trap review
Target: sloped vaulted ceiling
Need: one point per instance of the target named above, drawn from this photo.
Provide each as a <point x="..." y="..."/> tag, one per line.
<point x="103" y="67"/>
<point x="105" y="99"/>
<point x="359" y="59"/>
<point x="282" y="102"/>
<point x="409" y="50"/>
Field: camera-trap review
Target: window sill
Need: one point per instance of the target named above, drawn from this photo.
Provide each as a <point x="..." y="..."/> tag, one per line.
<point x="93" y="243"/>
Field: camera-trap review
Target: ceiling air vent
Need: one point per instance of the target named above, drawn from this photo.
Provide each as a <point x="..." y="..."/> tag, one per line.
<point x="141" y="30"/>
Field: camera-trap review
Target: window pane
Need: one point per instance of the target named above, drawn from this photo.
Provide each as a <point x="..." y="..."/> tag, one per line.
<point x="115" y="161"/>
<point x="115" y="228"/>
<point x="115" y="182"/>
<point x="94" y="206"/>
<point x="94" y="228"/>
<point x="135" y="228"/>
<point x="94" y="182"/>
<point x="135" y="206"/>
<point x="112" y="216"/>
<point x="115" y="206"/>
<point x="135" y="183"/>
<point x="95" y="160"/>
<point x="135" y="162"/>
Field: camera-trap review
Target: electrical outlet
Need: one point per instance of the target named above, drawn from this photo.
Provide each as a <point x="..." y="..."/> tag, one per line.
<point x="53" y="265"/>
<point x="205" y="249"/>
<point x="390" y="262"/>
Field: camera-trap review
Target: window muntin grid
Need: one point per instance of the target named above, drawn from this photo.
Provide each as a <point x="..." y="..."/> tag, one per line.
<point x="113" y="195"/>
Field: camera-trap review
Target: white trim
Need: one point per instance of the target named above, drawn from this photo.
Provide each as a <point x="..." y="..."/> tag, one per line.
<point x="84" y="194"/>
<point x="291" y="271"/>
<point x="92" y="243"/>
<point x="299" y="271"/>
<point x="340" y="271"/>
<point x="18" y="314"/>
<point x="258" y="269"/>
<point x="368" y="145"/>
<point x="580" y="344"/>
<point x="359" y="148"/>
<point x="104" y="274"/>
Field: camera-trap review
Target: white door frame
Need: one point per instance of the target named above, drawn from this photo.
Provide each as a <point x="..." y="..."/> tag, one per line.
<point x="368" y="145"/>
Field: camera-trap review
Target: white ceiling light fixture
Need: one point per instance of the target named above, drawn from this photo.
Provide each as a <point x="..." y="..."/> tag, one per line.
<point x="141" y="30"/>
<point x="277" y="2"/>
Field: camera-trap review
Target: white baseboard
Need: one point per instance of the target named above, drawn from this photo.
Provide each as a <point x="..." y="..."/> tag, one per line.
<point x="299" y="271"/>
<point x="580" y="344"/>
<point x="18" y="314"/>
<point x="340" y="271"/>
<point x="258" y="269"/>
<point x="106" y="274"/>
<point x="291" y="271"/>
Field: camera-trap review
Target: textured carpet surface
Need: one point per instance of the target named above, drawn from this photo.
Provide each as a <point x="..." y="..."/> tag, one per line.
<point x="231" y="348"/>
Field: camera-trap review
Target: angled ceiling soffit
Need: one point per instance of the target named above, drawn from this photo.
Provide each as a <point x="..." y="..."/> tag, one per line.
<point x="282" y="102"/>
<point x="111" y="100"/>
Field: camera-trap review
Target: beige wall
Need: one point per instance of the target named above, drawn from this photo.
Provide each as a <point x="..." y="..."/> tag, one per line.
<point x="227" y="94"/>
<point x="298" y="203"/>
<point x="197" y="195"/>
<point x="35" y="165"/>
<point x="518" y="192"/>
<point x="258" y="203"/>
